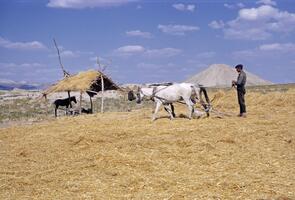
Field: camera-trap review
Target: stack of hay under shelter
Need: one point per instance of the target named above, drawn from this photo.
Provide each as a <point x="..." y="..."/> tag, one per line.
<point x="91" y="82"/>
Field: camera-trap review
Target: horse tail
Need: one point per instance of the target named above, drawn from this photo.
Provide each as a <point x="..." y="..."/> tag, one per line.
<point x="56" y="103"/>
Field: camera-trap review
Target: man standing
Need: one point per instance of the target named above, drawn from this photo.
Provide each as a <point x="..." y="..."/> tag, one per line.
<point x="240" y="83"/>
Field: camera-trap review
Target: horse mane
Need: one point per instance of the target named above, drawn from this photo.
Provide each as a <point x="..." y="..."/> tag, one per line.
<point x="160" y="84"/>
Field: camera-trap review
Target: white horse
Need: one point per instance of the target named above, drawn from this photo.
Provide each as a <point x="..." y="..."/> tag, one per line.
<point x="165" y="95"/>
<point x="148" y="93"/>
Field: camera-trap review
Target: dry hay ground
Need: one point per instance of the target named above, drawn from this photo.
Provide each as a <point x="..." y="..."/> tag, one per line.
<point x="125" y="156"/>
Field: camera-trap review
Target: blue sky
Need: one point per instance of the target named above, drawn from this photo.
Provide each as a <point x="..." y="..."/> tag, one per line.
<point x="146" y="41"/>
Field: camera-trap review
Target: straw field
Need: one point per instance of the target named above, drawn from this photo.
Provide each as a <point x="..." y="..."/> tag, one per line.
<point x="123" y="155"/>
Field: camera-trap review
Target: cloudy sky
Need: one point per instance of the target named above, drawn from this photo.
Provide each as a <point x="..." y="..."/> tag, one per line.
<point x="146" y="41"/>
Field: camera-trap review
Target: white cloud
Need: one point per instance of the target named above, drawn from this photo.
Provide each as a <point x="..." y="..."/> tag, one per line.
<point x="267" y="2"/>
<point x="261" y="13"/>
<point x="266" y="50"/>
<point x="191" y="7"/>
<point x="217" y="24"/>
<point x="165" y="52"/>
<point x="234" y="6"/>
<point x="179" y="6"/>
<point x="65" y="53"/>
<point x="32" y="65"/>
<point x="245" y="54"/>
<point x="177" y="29"/>
<point x="240" y="5"/>
<point x="138" y="33"/>
<point x="13" y="67"/>
<point x="229" y="6"/>
<point x="68" y="53"/>
<point x="284" y="47"/>
<point x="34" y="45"/>
<point x="130" y="50"/>
<point x="29" y="72"/>
<point x="80" y="4"/>
<point x="183" y="7"/>
<point x="257" y="23"/>
<point x="252" y="33"/>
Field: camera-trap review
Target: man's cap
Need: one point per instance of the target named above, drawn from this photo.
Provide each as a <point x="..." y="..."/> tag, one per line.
<point x="240" y="66"/>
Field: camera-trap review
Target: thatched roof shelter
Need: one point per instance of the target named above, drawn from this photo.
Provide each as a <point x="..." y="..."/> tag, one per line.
<point x="83" y="82"/>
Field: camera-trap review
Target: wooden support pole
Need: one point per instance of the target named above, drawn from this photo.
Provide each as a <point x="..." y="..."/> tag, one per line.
<point x="91" y="105"/>
<point x="80" y="103"/>
<point x="69" y="95"/>
<point x="46" y="102"/>
<point x="102" y="93"/>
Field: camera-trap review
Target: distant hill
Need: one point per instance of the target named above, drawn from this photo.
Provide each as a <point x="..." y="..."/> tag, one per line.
<point x="221" y="75"/>
<point x="10" y="85"/>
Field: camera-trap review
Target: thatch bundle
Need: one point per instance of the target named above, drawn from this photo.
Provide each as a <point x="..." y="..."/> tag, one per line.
<point x="83" y="81"/>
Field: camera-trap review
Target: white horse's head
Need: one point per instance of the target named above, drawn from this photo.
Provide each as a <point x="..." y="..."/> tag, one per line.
<point x="143" y="93"/>
<point x="137" y="95"/>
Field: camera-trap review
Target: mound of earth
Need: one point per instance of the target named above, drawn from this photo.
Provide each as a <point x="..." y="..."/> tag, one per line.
<point x="221" y="75"/>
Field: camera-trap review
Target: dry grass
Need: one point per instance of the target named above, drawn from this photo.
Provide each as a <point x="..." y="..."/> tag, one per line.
<point x="24" y="110"/>
<point x="30" y="110"/>
<point x="125" y="156"/>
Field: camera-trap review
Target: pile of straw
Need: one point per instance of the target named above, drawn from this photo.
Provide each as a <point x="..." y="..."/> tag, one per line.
<point x="126" y="156"/>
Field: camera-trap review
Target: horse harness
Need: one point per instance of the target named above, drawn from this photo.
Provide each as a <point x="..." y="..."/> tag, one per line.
<point x="163" y="99"/>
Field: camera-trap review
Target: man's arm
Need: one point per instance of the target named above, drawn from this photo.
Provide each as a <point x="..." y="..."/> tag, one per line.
<point x="233" y="83"/>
